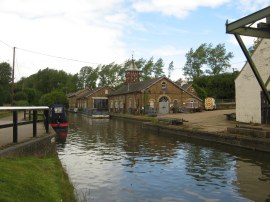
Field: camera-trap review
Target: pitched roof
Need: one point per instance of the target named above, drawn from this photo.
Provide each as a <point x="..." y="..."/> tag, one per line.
<point x="135" y="87"/>
<point x="143" y="85"/>
<point x="76" y="93"/>
<point x="186" y="86"/>
<point x="257" y="48"/>
<point x="84" y="93"/>
<point x="133" y="67"/>
<point x="91" y="92"/>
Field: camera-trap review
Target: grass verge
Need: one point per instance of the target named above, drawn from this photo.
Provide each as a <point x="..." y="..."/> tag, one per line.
<point x="5" y="114"/>
<point x="34" y="179"/>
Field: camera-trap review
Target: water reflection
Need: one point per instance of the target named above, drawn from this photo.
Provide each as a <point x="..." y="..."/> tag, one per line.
<point x="116" y="160"/>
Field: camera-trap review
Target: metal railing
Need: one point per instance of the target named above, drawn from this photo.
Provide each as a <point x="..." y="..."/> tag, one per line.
<point x="15" y="123"/>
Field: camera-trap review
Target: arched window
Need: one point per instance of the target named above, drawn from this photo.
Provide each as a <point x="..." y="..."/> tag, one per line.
<point x="163" y="99"/>
<point x="163" y="85"/>
<point x="175" y="103"/>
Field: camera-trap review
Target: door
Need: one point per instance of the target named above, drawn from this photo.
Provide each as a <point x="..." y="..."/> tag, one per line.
<point x="163" y="105"/>
<point x="265" y="110"/>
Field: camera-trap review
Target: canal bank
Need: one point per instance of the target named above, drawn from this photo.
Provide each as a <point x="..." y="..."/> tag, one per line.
<point x="32" y="178"/>
<point x="208" y="126"/>
<point x="30" y="169"/>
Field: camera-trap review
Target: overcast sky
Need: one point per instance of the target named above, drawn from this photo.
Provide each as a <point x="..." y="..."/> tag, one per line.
<point x="104" y="31"/>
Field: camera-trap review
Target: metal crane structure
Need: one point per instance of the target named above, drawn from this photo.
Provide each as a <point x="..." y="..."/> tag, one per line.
<point x="243" y="27"/>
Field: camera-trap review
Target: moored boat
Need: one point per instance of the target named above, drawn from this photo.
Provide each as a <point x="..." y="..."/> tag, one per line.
<point x="58" y="120"/>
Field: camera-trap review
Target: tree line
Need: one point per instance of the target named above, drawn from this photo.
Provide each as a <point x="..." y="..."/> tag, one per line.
<point x="205" y="67"/>
<point x="49" y="86"/>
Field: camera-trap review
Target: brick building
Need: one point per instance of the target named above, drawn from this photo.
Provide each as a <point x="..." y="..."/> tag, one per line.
<point x="72" y="98"/>
<point x="94" y="99"/>
<point x="159" y="94"/>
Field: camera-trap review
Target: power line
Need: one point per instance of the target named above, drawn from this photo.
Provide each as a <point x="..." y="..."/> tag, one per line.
<point x="5" y="44"/>
<point x="48" y="55"/>
<point x="58" y="57"/>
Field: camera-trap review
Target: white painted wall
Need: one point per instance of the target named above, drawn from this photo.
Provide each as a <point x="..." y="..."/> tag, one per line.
<point x="247" y="88"/>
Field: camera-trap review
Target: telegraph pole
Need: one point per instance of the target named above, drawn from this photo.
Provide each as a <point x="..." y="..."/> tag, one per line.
<point x="13" y="67"/>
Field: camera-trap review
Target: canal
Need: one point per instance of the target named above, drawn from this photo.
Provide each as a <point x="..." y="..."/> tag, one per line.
<point x="118" y="160"/>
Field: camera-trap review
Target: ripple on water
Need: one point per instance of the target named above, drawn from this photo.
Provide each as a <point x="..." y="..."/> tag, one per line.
<point x="118" y="161"/>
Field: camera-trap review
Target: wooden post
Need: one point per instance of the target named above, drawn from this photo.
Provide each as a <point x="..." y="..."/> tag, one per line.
<point x="46" y="120"/>
<point x="34" y="123"/>
<point x="13" y="69"/>
<point x="15" y="127"/>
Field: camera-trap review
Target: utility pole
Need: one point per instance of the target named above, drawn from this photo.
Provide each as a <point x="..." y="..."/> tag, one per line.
<point x="13" y="67"/>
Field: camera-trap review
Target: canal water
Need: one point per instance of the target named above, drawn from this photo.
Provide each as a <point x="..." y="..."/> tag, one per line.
<point x="118" y="160"/>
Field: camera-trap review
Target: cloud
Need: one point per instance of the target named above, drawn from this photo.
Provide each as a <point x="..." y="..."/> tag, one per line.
<point x="167" y="51"/>
<point x="251" y="5"/>
<point x="84" y="30"/>
<point x="179" y="9"/>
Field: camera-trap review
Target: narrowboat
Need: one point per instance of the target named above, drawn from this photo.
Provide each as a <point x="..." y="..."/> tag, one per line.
<point x="58" y="120"/>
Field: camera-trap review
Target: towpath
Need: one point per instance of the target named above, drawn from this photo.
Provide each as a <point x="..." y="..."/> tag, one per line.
<point x="210" y="121"/>
<point x="25" y="132"/>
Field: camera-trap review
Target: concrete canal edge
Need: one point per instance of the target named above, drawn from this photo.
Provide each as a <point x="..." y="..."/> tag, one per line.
<point x="255" y="144"/>
<point x="243" y="141"/>
<point x="39" y="146"/>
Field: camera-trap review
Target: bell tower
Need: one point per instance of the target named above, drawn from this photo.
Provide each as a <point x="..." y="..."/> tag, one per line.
<point x="132" y="73"/>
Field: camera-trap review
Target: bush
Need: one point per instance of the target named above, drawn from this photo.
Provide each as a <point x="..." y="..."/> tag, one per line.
<point x="54" y="97"/>
<point x="22" y="103"/>
<point x="20" y="96"/>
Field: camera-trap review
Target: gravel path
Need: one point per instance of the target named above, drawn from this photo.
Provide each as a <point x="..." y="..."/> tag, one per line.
<point x="211" y="121"/>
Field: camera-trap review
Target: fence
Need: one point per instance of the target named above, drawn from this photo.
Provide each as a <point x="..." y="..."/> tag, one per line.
<point x="15" y="123"/>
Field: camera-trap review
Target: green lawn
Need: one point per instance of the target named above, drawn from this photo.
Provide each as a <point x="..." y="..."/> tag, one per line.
<point x="34" y="179"/>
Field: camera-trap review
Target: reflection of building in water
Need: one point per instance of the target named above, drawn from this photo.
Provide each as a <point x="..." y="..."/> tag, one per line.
<point x="251" y="177"/>
<point x="209" y="167"/>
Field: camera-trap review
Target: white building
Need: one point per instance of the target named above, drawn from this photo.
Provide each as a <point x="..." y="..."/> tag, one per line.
<point x="250" y="101"/>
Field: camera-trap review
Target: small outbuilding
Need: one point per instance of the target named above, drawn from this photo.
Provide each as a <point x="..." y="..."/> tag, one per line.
<point x="94" y="99"/>
<point x="73" y="98"/>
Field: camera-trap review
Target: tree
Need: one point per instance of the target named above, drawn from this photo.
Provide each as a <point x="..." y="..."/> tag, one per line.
<point x="195" y="61"/>
<point x="5" y="82"/>
<point x="170" y="69"/>
<point x="147" y="69"/>
<point x="88" y="77"/>
<point x="32" y="96"/>
<point x="5" y="73"/>
<point x="55" y="97"/>
<point x="20" y="96"/>
<point x="252" y="48"/>
<point x="218" y="61"/>
<point x="211" y="85"/>
<point x="109" y="75"/>
<point x="214" y="60"/>
<point x="179" y="82"/>
<point x="48" y="80"/>
<point x="158" y="68"/>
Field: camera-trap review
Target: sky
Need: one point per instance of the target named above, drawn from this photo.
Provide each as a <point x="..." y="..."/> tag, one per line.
<point x="91" y="32"/>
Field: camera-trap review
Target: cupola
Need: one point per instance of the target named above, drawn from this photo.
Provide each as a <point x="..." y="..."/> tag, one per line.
<point x="133" y="73"/>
